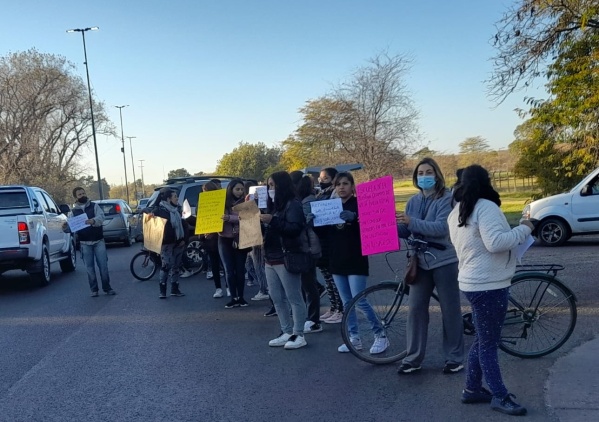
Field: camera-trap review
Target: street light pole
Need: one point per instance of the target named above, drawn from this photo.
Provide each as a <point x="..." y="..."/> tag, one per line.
<point x="143" y="185"/>
<point x="133" y="166"/>
<point x="91" y="107"/>
<point x="123" y="148"/>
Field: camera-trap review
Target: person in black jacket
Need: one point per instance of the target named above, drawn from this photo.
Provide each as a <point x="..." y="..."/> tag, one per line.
<point x="173" y="242"/>
<point x="284" y="222"/>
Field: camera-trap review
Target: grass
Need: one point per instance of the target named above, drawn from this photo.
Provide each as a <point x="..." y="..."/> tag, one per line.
<point x="512" y="203"/>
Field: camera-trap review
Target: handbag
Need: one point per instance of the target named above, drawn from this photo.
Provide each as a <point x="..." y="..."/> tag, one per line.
<point x="297" y="262"/>
<point x="412" y="269"/>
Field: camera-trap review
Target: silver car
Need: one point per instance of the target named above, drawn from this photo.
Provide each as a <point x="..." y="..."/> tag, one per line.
<point x="121" y="223"/>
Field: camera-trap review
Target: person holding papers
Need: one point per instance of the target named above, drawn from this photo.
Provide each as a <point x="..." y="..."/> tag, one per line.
<point x="485" y="246"/>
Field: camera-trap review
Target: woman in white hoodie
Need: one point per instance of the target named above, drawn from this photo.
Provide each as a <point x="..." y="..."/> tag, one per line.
<point x="485" y="245"/>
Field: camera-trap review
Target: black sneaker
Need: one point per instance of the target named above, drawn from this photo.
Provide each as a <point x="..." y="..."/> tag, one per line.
<point x="175" y="290"/>
<point x="241" y="302"/>
<point x="271" y="312"/>
<point x="452" y="368"/>
<point x="481" y="396"/>
<point x="232" y="304"/>
<point x="406" y="368"/>
<point x="507" y="405"/>
<point x="162" y="291"/>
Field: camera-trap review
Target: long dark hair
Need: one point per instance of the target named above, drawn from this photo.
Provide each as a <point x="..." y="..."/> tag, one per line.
<point x="475" y="184"/>
<point x="284" y="191"/>
<point x="231" y="199"/>
<point x="304" y="185"/>
<point x="440" y="179"/>
<point x="164" y="195"/>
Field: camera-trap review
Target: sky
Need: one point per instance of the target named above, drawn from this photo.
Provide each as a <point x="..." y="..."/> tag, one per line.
<point x="201" y="76"/>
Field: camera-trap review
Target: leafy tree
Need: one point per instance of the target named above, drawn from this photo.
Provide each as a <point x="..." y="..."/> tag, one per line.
<point x="178" y="173"/>
<point x="254" y="161"/>
<point x="370" y="118"/>
<point x="529" y="36"/>
<point x="45" y="121"/>
<point x="424" y="152"/>
<point x="474" y="145"/>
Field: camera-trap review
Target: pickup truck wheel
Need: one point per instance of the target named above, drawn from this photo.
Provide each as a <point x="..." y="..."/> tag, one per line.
<point x="553" y="232"/>
<point x="43" y="277"/>
<point x="68" y="265"/>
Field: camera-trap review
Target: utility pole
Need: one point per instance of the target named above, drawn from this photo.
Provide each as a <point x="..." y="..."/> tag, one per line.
<point x="143" y="185"/>
<point x="133" y="167"/>
<point x="123" y="149"/>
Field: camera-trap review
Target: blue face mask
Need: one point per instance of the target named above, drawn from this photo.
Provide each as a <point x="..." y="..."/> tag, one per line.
<point x="426" y="182"/>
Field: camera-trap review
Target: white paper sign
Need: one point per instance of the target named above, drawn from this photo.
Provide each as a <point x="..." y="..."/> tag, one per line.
<point x="326" y="213"/>
<point x="262" y="193"/>
<point x="186" y="210"/>
<point x="77" y="223"/>
<point x="523" y="247"/>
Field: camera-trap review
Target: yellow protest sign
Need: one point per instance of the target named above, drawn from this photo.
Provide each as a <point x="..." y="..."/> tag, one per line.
<point x="211" y="207"/>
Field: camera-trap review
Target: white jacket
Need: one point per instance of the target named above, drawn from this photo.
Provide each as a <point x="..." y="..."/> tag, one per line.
<point x="485" y="247"/>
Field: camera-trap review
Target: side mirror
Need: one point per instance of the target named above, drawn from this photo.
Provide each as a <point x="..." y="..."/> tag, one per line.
<point x="64" y="208"/>
<point x="586" y="191"/>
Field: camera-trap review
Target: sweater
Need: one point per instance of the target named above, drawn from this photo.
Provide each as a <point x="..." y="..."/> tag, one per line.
<point x="346" y="246"/>
<point x="428" y="222"/>
<point x="485" y="247"/>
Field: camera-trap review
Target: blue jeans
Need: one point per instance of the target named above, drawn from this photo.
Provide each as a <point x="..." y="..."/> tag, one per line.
<point x="488" y="311"/>
<point x="285" y="290"/>
<point x="257" y="255"/>
<point x="349" y="286"/>
<point x="96" y="254"/>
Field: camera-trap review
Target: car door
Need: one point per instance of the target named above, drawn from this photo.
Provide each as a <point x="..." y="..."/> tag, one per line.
<point x="53" y="220"/>
<point x="585" y="208"/>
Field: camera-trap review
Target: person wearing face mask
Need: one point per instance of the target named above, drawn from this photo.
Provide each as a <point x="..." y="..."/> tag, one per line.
<point x="91" y="239"/>
<point x="425" y="218"/>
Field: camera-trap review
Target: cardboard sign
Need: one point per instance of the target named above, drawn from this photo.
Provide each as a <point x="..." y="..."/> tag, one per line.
<point x="376" y="207"/>
<point x="211" y="208"/>
<point x="326" y="213"/>
<point x="261" y="192"/>
<point x="250" y="231"/>
<point x="153" y="232"/>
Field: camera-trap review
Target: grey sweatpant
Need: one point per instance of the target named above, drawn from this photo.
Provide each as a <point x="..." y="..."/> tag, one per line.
<point x="445" y="280"/>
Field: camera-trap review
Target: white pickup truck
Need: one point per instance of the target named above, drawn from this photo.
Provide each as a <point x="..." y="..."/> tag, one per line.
<point x="31" y="235"/>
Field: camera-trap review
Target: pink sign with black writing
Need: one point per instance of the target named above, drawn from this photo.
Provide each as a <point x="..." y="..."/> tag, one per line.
<point x="376" y="207"/>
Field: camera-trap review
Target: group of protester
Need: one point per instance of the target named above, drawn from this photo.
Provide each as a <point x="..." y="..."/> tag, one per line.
<point x="476" y="258"/>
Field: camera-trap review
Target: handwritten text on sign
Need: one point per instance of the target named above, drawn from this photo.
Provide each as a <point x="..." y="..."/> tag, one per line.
<point x="376" y="207"/>
<point x="326" y="213"/>
<point x="211" y="207"/>
<point x="262" y="193"/>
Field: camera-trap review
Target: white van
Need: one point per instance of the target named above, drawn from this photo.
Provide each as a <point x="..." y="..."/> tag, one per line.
<point x="567" y="214"/>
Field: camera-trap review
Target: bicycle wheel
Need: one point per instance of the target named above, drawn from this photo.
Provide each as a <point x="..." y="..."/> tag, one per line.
<point x="540" y="318"/>
<point x="143" y="266"/>
<point x="383" y="307"/>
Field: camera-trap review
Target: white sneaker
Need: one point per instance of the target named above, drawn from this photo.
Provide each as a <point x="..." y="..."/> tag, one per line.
<point x="379" y="346"/>
<point x="280" y="341"/>
<point x="228" y="292"/>
<point x="336" y="318"/>
<point x="185" y="274"/>
<point x="295" y="342"/>
<point x="312" y="327"/>
<point x="355" y="341"/>
<point x="218" y="293"/>
<point x="261" y="296"/>
<point x="209" y="275"/>
<point x="326" y="315"/>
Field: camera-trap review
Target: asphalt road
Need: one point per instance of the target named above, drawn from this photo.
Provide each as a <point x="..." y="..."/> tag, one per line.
<point x="65" y="356"/>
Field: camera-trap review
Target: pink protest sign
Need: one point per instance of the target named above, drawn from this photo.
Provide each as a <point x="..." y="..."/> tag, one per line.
<point x="376" y="207"/>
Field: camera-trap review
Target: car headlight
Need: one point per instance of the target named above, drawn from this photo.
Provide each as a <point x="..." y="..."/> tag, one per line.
<point x="526" y="212"/>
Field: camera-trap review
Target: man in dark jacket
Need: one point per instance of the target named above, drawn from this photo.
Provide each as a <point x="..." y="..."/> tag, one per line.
<point x="91" y="239"/>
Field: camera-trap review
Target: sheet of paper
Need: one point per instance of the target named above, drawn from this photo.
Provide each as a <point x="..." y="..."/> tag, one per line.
<point x="77" y="223"/>
<point x="186" y="210"/>
<point x="326" y="213"/>
<point x="523" y="247"/>
<point x="250" y="231"/>
<point x="210" y="210"/>
<point x="262" y="193"/>
<point x="378" y="225"/>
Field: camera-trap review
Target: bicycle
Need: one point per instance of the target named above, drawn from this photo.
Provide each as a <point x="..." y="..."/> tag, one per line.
<point x="145" y="263"/>
<point x="540" y="318"/>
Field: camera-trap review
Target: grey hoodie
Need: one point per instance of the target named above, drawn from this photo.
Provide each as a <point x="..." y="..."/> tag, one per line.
<point x="428" y="222"/>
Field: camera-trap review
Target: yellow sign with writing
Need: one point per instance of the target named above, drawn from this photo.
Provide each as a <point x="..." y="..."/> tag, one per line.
<point x="210" y="210"/>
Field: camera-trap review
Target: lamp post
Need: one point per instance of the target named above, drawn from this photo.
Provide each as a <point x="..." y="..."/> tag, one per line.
<point x="143" y="185"/>
<point x="133" y="167"/>
<point x="91" y="107"/>
<point x="123" y="148"/>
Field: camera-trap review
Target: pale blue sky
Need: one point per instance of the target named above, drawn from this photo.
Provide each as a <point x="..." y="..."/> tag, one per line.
<point x="201" y="76"/>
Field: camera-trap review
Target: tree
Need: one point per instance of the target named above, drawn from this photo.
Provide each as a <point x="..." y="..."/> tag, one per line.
<point x="45" y="121"/>
<point x="370" y="118"/>
<point x="424" y="152"/>
<point x="474" y="150"/>
<point x="530" y="35"/>
<point x="178" y="173"/>
<point x="255" y="161"/>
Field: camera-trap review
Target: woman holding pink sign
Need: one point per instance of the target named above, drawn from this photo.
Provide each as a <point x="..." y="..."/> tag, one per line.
<point x="425" y="218"/>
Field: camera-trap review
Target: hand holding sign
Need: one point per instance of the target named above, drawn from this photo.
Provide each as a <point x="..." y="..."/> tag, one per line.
<point x="326" y="213"/>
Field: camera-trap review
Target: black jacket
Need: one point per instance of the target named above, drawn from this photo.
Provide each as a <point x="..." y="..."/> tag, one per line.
<point x="285" y="226"/>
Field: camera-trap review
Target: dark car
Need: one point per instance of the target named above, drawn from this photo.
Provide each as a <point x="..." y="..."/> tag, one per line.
<point x="121" y="223"/>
